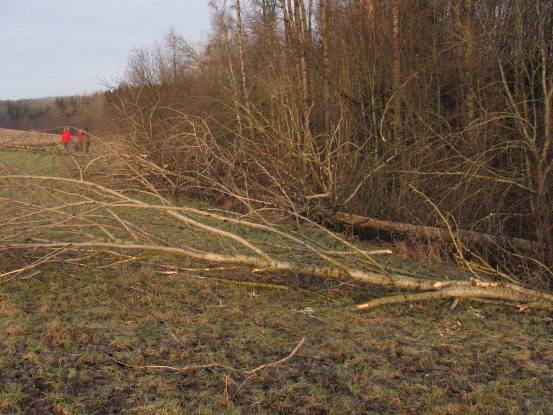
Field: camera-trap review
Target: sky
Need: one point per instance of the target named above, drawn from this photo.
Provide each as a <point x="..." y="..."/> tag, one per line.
<point x="68" y="47"/>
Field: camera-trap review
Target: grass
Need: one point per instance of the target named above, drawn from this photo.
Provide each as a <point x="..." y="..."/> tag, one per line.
<point x="69" y="335"/>
<point x="64" y="332"/>
<point x="40" y="164"/>
<point x="21" y="137"/>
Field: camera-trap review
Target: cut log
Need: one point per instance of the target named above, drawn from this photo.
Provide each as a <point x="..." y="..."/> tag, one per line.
<point x="430" y="232"/>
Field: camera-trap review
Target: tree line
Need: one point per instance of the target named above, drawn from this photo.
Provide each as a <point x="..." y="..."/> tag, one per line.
<point x="48" y="114"/>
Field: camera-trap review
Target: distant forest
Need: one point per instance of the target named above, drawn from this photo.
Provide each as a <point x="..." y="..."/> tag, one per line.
<point x="51" y="114"/>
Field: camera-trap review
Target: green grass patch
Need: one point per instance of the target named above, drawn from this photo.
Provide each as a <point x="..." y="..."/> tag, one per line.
<point x="64" y="339"/>
<point x="39" y="164"/>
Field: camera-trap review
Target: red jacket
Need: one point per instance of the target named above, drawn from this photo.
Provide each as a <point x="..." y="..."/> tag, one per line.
<point x="80" y="135"/>
<point x="66" y="136"/>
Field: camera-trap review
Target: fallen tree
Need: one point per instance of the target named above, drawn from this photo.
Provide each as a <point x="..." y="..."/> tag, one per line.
<point x="429" y="232"/>
<point x="60" y="216"/>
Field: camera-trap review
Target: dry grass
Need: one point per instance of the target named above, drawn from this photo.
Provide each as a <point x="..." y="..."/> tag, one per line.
<point x="19" y="137"/>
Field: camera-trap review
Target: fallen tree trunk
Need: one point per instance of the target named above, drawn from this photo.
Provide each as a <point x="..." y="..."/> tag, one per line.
<point x="430" y="232"/>
<point x="428" y="289"/>
<point x="67" y="215"/>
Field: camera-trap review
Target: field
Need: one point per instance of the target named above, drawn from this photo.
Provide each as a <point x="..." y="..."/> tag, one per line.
<point x="136" y="339"/>
<point x="26" y="138"/>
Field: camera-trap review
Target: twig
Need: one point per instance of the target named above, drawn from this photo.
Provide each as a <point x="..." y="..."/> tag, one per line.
<point x="278" y="362"/>
<point x="252" y="373"/>
<point x="79" y="167"/>
<point x="177" y="369"/>
<point x="345" y="253"/>
<point x="42" y="260"/>
<point x="175" y="337"/>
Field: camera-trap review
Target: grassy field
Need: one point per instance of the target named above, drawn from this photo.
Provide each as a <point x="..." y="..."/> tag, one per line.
<point x="23" y="138"/>
<point x="91" y="340"/>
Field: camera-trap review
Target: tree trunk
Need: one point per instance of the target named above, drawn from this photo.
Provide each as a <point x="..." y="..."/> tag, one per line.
<point x="369" y="5"/>
<point x="429" y="232"/>
<point x="241" y="49"/>
<point x="301" y="37"/>
<point x="396" y="70"/>
<point x="324" y="38"/>
<point x="463" y="11"/>
<point x="469" y="65"/>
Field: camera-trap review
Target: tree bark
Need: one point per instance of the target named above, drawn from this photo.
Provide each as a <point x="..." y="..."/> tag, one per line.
<point x="301" y="36"/>
<point x="324" y="39"/>
<point x="241" y="49"/>
<point x="463" y="11"/>
<point x="429" y="232"/>
<point x="369" y="5"/>
<point x="470" y="49"/>
<point x="396" y="70"/>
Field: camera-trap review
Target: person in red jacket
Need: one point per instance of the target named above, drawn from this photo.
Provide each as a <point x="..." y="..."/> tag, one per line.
<point x="80" y="136"/>
<point x="66" y="138"/>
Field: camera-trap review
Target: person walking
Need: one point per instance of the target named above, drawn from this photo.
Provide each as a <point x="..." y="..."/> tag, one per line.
<point x="81" y="136"/>
<point x="86" y="139"/>
<point x="66" y="138"/>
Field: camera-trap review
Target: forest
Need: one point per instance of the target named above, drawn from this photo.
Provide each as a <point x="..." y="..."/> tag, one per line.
<point x="426" y="112"/>
<point x="51" y="114"/>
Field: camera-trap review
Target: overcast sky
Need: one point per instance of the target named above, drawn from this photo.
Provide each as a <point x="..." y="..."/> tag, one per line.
<point x="66" y="47"/>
